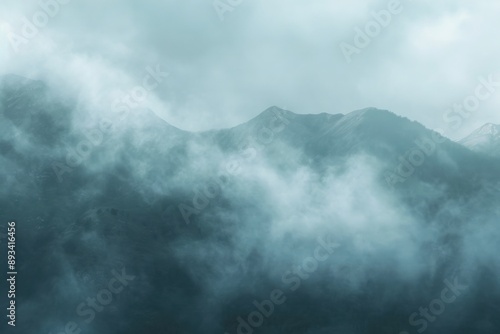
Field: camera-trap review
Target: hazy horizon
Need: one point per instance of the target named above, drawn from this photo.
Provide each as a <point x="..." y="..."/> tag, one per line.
<point x="225" y="65"/>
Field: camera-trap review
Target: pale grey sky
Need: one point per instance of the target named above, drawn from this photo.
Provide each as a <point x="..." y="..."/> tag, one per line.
<point x="264" y="52"/>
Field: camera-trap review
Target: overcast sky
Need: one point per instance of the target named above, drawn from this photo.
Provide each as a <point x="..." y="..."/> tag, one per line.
<point x="225" y="67"/>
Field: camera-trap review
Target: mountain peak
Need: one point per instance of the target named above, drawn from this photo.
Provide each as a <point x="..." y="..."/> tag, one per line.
<point x="486" y="139"/>
<point x="273" y="111"/>
<point x="370" y="112"/>
<point x="488" y="129"/>
<point x="368" y="117"/>
<point x="270" y="113"/>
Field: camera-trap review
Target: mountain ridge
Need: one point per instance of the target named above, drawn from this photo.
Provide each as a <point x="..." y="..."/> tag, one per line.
<point x="12" y="81"/>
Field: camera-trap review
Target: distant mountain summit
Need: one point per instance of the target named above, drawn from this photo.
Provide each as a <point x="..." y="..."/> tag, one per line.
<point x="486" y="140"/>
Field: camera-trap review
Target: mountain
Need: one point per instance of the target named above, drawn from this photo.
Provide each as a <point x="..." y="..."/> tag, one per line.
<point x="325" y="140"/>
<point x="486" y="139"/>
<point x="318" y="223"/>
